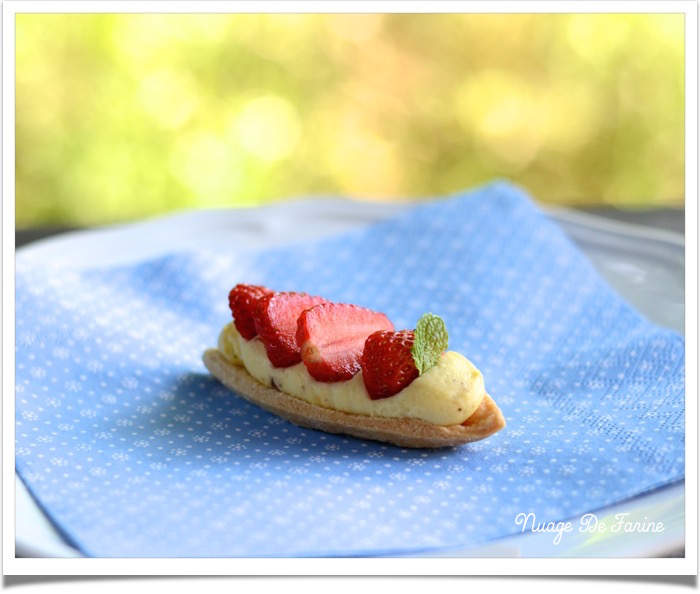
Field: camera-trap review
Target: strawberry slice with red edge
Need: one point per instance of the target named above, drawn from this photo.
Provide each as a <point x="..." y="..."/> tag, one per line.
<point x="387" y="363"/>
<point x="390" y="361"/>
<point x="331" y="337"/>
<point x="242" y="300"/>
<point x="276" y="318"/>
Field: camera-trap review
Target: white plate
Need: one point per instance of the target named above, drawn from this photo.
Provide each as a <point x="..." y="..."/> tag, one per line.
<point x="646" y="266"/>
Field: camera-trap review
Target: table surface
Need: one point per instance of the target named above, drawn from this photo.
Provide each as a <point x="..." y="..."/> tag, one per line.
<point x="670" y="219"/>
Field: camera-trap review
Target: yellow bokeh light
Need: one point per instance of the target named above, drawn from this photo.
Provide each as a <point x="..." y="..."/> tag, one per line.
<point x="363" y="163"/>
<point x="208" y="165"/>
<point x="268" y="127"/>
<point x="504" y="114"/>
<point x="571" y="116"/>
<point x="121" y="115"/>
<point x="356" y="28"/>
<point x="169" y="97"/>
<point x="597" y="39"/>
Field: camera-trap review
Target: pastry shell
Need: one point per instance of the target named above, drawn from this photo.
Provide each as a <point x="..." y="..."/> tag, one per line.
<point x="404" y="432"/>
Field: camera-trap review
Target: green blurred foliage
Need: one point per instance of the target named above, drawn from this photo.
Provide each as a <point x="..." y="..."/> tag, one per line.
<point x="120" y="116"/>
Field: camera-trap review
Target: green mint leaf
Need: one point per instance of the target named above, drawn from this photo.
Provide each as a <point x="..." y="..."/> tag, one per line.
<point x="430" y="341"/>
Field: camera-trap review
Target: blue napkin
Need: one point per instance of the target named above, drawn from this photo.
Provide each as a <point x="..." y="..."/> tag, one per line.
<point x="133" y="450"/>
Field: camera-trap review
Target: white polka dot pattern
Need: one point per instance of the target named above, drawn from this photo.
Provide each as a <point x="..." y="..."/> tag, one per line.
<point x="133" y="450"/>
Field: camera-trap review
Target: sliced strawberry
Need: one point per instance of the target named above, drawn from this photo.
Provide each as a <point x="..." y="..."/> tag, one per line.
<point x="242" y="300"/>
<point x="276" y="318"/>
<point x="387" y="363"/>
<point x="331" y="337"/>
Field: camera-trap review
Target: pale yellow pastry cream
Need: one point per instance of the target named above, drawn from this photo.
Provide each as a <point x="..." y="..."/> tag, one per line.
<point x="446" y="394"/>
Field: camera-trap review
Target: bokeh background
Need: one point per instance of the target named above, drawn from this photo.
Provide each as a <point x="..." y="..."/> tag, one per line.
<point x="121" y="116"/>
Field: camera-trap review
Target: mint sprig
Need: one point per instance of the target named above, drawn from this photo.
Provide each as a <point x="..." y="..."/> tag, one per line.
<point x="430" y="341"/>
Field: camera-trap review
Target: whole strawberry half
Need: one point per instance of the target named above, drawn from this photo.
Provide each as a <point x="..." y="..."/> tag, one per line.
<point x="242" y="300"/>
<point x="392" y="360"/>
<point x="276" y="318"/>
<point x="331" y="337"/>
<point x="387" y="363"/>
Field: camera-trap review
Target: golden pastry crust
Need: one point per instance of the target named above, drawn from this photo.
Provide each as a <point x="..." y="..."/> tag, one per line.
<point x="404" y="432"/>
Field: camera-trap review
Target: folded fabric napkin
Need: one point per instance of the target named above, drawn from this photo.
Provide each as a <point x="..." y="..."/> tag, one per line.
<point x="133" y="450"/>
